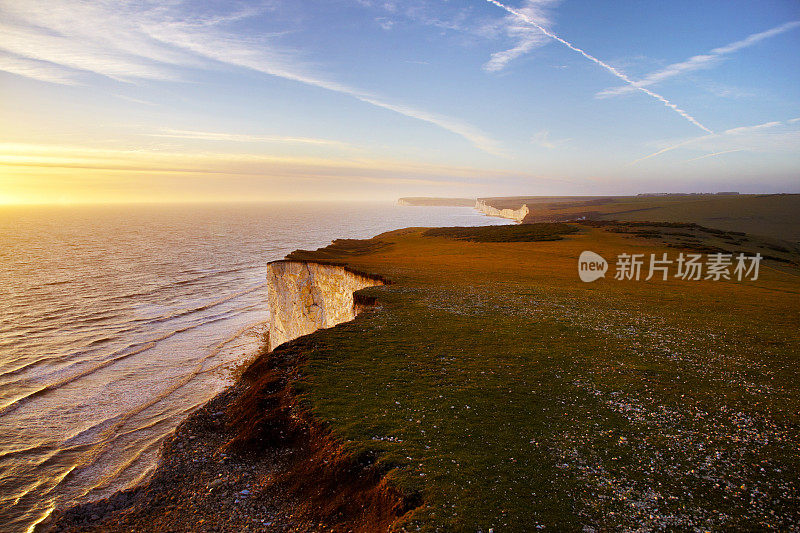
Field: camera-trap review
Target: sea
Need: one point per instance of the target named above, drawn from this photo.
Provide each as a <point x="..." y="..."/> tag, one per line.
<point x="116" y="322"/>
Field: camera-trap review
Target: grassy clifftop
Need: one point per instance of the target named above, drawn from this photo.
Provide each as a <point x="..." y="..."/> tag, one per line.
<point x="507" y="394"/>
<point x="491" y="389"/>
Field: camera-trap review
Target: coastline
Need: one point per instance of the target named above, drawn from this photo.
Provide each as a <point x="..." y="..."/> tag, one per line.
<point x="205" y="267"/>
<point x="211" y="458"/>
<point x="300" y="442"/>
<point x="210" y="476"/>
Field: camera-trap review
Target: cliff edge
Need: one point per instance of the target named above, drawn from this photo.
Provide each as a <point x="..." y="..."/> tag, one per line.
<point x="305" y="297"/>
<point x="492" y="389"/>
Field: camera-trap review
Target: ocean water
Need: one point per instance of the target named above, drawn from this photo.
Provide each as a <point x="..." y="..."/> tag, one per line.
<point x="117" y="322"/>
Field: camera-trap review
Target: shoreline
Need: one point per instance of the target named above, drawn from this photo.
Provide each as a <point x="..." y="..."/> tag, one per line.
<point x="279" y="449"/>
<point x="350" y="494"/>
<point x="210" y="467"/>
<point x="62" y="505"/>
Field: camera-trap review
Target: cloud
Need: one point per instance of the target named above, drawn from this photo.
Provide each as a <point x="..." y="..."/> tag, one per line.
<point x="38" y="70"/>
<point x="726" y="91"/>
<point x="421" y="12"/>
<point x="244" y="138"/>
<point x="542" y="138"/>
<point x="31" y="158"/>
<point x="87" y="36"/>
<point x="134" y="100"/>
<point x="606" y="66"/>
<point x="698" y="62"/>
<point x="385" y="23"/>
<point x="475" y="136"/>
<point x="151" y="40"/>
<point x="527" y="37"/>
<point x="460" y="17"/>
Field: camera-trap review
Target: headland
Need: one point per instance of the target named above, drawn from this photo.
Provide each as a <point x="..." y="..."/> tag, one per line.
<point x="486" y="387"/>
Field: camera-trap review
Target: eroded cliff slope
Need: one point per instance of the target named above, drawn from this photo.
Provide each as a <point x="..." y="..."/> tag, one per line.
<point x="304" y="297"/>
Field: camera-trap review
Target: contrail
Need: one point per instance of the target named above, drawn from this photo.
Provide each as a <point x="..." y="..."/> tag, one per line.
<point x="715" y="154"/>
<point x="603" y="64"/>
<point x="732" y="131"/>
<point x="669" y="148"/>
<point x="703" y="60"/>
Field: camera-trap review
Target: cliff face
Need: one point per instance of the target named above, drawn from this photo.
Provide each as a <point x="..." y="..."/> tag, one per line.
<point x="513" y="214"/>
<point x="304" y="297"/>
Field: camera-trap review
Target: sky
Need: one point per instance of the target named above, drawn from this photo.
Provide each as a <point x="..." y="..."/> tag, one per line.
<point x="286" y="100"/>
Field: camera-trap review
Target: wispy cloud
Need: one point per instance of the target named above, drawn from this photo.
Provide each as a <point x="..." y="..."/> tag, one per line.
<point x="460" y="17"/>
<point x="475" y="136"/>
<point x="698" y="62"/>
<point x="244" y="138"/>
<point x="606" y="66"/>
<point x="385" y="22"/>
<point x="542" y="138"/>
<point x="726" y="91"/>
<point x="56" y="40"/>
<point x="91" y="37"/>
<point x="40" y="70"/>
<point x="52" y="156"/>
<point x="134" y="100"/>
<point x="527" y="38"/>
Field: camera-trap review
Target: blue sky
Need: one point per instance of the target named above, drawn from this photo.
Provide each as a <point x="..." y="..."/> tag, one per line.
<point x="374" y="99"/>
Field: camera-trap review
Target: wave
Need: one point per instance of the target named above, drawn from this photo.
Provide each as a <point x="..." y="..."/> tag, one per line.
<point x="57" y="282"/>
<point x="73" y="457"/>
<point x="120" y="354"/>
<point x="136" y="295"/>
<point x="4" y="410"/>
<point x="25" y="366"/>
<point x="206" y="306"/>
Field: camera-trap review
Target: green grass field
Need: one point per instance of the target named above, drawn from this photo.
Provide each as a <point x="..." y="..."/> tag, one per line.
<point x="498" y="391"/>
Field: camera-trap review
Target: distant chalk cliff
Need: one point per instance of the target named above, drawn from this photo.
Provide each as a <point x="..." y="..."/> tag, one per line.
<point x="513" y="214"/>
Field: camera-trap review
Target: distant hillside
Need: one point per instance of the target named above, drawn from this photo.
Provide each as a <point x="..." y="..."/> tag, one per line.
<point x="771" y="215"/>
<point x="515" y="202"/>
<point x="437" y="202"/>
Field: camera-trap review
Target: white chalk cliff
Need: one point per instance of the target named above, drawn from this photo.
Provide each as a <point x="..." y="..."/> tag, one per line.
<point x="513" y="214"/>
<point x="304" y="297"/>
